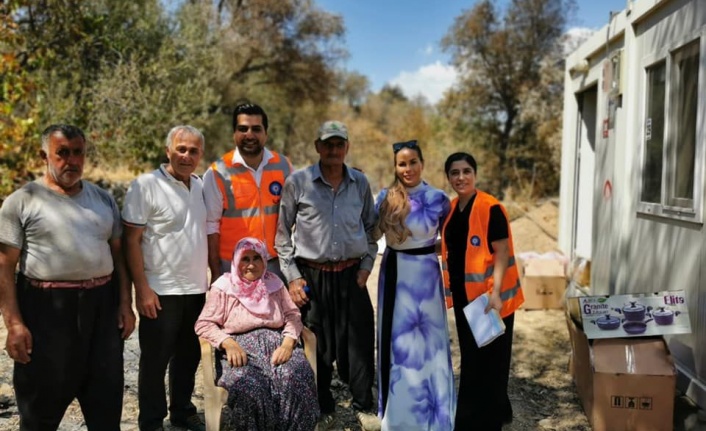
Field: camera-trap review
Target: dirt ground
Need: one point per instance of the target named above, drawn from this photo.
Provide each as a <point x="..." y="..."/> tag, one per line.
<point x="541" y="390"/>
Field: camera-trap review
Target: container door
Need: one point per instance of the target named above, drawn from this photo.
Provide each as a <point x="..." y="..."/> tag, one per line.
<point x="582" y="232"/>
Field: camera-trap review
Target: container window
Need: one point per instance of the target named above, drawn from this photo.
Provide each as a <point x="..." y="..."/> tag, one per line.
<point x="654" y="133"/>
<point x="670" y="178"/>
<point x="685" y="80"/>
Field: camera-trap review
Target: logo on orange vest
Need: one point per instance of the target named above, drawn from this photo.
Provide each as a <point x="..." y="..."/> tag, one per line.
<point x="276" y="188"/>
<point x="475" y="241"/>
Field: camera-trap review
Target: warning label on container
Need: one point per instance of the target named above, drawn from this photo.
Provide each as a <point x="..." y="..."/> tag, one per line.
<point x="630" y="402"/>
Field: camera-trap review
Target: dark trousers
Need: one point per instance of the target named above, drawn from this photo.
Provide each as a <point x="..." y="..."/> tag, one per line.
<point x="77" y="352"/>
<point x="483" y="402"/>
<point x="341" y="315"/>
<point x="168" y="340"/>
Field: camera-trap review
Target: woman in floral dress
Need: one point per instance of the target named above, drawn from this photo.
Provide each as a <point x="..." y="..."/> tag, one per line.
<point x="415" y="378"/>
<point x="251" y="320"/>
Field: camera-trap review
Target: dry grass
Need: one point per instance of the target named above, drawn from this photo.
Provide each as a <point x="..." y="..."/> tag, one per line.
<point x="113" y="174"/>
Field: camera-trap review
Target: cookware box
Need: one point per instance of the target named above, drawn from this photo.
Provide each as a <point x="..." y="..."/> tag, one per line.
<point x="625" y="384"/>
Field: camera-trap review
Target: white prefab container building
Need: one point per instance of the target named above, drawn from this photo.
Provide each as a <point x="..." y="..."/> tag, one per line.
<point x="633" y="159"/>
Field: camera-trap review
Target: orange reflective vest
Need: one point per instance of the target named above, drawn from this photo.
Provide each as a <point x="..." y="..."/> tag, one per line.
<point x="249" y="210"/>
<point x="480" y="263"/>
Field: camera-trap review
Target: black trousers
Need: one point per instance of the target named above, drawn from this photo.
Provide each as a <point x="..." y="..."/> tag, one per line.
<point x="483" y="401"/>
<point x="168" y="340"/>
<point x="340" y="313"/>
<point x="77" y="352"/>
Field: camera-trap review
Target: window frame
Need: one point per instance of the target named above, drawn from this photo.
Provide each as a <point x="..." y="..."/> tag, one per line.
<point x="670" y="206"/>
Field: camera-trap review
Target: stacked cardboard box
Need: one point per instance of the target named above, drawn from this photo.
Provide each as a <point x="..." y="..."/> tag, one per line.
<point x="543" y="283"/>
<point x="625" y="384"/>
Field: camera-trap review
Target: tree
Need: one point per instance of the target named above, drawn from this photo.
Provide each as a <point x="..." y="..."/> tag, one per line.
<point x="385" y="117"/>
<point x="19" y="113"/>
<point x="353" y="89"/>
<point x="502" y="59"/>
<point x="128" y="70"/>
<point x="110" y="68"/>
<point x="77" y="39"/>
<point x="281" y="54"/>
<point x="137" y="98"/>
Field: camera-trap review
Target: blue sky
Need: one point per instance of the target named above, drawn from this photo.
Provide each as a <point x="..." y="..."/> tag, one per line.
<point x="397" y="42"/>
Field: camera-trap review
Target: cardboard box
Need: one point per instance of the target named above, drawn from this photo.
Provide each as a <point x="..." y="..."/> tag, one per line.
<point x="580" y="272"/>
<point x="543" y="283"/>
<point x="580" y="365"/>
<point x="572" y="296"/>
<point x="625" y="384"/>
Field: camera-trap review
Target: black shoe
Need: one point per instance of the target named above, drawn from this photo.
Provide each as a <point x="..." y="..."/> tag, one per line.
<point x="192" y="423"/>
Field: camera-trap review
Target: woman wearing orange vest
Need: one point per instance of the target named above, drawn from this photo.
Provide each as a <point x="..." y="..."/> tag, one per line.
<point x="478" y="257"/>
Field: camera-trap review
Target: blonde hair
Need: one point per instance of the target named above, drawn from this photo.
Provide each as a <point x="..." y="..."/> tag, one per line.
<point x="393" y="213"/>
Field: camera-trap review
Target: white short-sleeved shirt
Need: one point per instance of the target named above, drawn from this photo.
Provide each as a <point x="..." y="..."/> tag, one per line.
<point x="174" y="244"/>
<point x="61" y="238"/>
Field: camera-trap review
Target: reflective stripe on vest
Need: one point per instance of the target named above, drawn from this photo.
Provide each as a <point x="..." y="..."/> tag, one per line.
<point x="479" y="260"/>
<point x="479" y="277"/>
<point x="258" y="216"/>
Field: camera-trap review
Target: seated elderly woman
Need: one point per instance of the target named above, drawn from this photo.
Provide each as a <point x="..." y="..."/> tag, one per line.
<point x="254" y="325"/>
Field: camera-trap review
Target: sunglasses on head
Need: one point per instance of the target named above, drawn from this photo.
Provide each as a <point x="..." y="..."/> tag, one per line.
<point x="399" y="145"/>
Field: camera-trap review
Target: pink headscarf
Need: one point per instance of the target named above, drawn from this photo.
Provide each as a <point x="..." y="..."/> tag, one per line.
<point x="254" y="295"/>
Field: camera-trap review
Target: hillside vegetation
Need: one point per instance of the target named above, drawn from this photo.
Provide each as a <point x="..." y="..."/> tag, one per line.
<point x="126" y="71"/>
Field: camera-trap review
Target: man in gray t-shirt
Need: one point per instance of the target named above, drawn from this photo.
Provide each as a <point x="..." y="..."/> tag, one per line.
<point x="68" y="309"/>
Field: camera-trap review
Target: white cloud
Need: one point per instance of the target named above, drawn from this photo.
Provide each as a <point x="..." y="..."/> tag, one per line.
<point x="429" y="81"/>
<point x="428" y="50"/>
<point x="574" y="37"/>
<point x="580" y="31"/>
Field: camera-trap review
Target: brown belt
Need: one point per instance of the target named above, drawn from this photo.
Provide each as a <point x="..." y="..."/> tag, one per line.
<point x="330" y="266"/>
<point x="70" y="284"/>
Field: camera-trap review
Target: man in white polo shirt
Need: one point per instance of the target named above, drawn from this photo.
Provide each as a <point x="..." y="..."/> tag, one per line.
<point x="166" y="251"/>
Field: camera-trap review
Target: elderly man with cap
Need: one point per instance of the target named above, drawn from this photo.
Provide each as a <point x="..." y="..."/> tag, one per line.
<point x="326" y="250"/>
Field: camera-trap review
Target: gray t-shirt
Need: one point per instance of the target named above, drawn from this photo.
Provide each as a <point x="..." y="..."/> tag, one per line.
<point x="61" y="237"/>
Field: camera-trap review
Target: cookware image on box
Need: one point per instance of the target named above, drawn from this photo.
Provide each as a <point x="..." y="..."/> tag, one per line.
<point x="633" y="311"/>
<point x="607" y="322"/>
<point x="664" y="316"/>
<point x="635" y="315"/>
<point x="634" y="327"/>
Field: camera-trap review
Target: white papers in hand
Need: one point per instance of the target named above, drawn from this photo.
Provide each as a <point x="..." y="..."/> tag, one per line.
<point x="485" y="327"/>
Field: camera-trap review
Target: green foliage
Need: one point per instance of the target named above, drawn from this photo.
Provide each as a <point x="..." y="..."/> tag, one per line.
<point x="280" y="54"/>
<point x="128" y="70"/>
<point x="510" y="60"/>
<point x="19" y="145"/>
<point x="384" y="118"/>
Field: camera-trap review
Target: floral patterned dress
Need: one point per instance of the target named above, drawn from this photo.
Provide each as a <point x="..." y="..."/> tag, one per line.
<point x="416" y="383"/>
